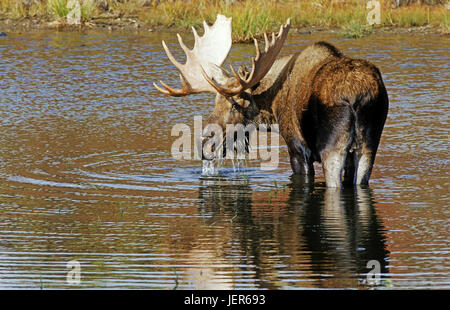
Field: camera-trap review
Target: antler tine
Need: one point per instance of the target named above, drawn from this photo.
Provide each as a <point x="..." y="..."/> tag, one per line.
<point x="196" y="37"/>
<point x="266" y="48"/>
<point x="183" y="46"/>
<point x="184" y="83"/>
<point x="168" y="90"/>
<point x="185" y="88"/>
<point x="258" y="52"/>
<point x="170" y="56"/>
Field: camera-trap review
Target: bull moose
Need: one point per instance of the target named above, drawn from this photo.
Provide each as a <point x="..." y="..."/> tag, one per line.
<point x="329" y="107"/>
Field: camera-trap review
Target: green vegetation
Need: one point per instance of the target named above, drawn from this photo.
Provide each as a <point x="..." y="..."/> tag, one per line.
<point x="250" y="17"/>
<point x="356" y="30"/>
<point x="58" y="8"/>
<point x="273" y="193"/>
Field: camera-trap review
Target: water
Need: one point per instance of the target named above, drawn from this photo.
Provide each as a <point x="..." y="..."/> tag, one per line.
<point x="86" y="174"/>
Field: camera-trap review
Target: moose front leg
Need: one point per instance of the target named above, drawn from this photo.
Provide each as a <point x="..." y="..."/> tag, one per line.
<point x="299" y="154"/>
<point x="300" y="158"/>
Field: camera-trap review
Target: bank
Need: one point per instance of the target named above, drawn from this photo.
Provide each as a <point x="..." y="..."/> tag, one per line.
<point x="251" y="18"/>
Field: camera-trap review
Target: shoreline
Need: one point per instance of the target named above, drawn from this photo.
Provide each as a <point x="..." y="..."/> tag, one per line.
<point x="349" y="18"/>
<point x="128" y="24"/>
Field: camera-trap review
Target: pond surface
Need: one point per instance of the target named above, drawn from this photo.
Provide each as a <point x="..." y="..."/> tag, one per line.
<point x="86" y="174"/>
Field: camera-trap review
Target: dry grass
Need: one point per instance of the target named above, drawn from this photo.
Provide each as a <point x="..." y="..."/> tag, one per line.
<point x="250" y="17"/>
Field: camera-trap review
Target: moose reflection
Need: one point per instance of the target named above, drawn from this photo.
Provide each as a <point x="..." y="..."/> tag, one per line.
<point x="326" y="236"/>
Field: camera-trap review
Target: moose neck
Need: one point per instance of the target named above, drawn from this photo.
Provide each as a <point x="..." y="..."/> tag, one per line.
<point x="272" y="90"/>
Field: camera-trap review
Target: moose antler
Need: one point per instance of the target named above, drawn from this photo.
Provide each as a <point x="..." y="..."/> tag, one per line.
<point x="261" y="64"/>
<point x="207" y="56"/>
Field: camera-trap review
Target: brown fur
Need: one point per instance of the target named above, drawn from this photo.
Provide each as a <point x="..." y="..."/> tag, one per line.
<point x="330" y="108"/>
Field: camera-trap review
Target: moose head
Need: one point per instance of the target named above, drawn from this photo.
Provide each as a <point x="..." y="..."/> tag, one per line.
<point x="203" y="72"/>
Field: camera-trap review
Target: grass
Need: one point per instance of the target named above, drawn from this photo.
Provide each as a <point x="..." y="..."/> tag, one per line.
<point x="58" y="8"/>
<point x="355" y="30"/>
<point x="88" y="9"/>
<point x="249" y="19"/>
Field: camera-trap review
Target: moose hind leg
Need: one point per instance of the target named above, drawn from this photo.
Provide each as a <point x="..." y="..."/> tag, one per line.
<point x="358" y="168"/>
<point x="364" y="163"/>
<point x="369" y="126"/>
<point x="333" y="164"/>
